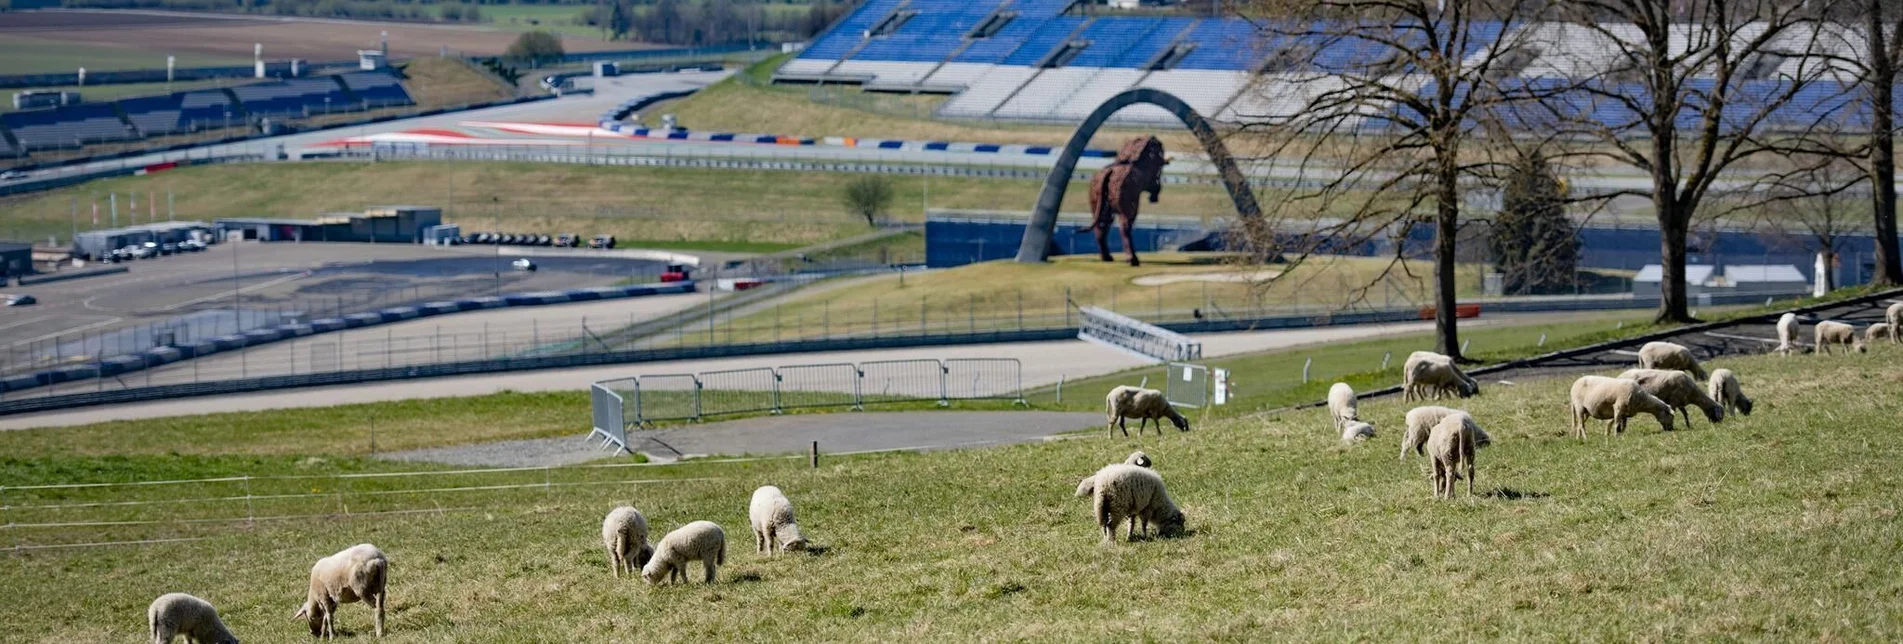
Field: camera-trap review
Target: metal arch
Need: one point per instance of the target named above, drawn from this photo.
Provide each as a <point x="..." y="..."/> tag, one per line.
<point x="1037" y="234"/>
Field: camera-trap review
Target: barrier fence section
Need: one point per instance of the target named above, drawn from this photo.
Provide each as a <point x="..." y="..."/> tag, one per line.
<point x="1187" y="385"/>
<point x="609" y="423"/>
<point x="1136" y="336"/>
<point x="643" y="400"/>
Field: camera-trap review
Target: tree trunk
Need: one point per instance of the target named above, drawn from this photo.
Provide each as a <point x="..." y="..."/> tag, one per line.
<point x="1446" y="226"/>
<point x="1674" y="301"/>
<point x="1882" y="78"/>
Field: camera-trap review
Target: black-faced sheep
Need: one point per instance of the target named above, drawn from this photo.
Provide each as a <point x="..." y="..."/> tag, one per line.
<point x="1666" y="355"/>
<point x="1451" y="444"/>
<point x="178" y="614"/>
<point x="1725" y="389"/>
<point x="1145" y="405"/>
<point x="1786" y="334"/>
<point x="771" y="515"/>
<point x="1126" y="492"/>
<point x="701" y="541"/>
<point x="1614" y="400"/>
<point x="625" y="533"/>
<point x="1427" y="371"/>
<point x="1676" y="388"/>
<point x="1341" y="405"/>
<point x="359" y="573"/>
<point x="1831" y="332"/>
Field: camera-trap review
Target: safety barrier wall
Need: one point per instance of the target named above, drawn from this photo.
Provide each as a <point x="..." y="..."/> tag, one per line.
<point x="665" y="397"/>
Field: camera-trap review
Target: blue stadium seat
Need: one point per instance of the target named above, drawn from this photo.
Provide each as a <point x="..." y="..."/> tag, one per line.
<point x="1040" y="43"/>
<point x="69" y="126"/>
<point x="376" y="89"/>
<point x="295" y="97"/>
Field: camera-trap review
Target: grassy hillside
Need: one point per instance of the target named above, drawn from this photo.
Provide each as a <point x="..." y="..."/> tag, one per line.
<point x="445" y="82"/>
<point x="1781" y="525"/>
<point x="28" y="55"/>
<point x="662" y="205"/>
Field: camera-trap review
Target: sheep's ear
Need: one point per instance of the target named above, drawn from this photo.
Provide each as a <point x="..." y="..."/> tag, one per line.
<point x="303" y="612"/>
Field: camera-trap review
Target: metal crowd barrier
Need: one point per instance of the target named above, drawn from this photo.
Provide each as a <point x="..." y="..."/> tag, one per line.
<point x="623" y="403"/>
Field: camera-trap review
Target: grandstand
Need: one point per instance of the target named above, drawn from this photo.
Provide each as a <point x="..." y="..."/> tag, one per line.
<point x="133" y="119"/>
<point x="1040" y="60"/>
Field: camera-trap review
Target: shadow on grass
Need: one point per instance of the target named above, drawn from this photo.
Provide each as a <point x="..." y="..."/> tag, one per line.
<point x="1510" y="494"/>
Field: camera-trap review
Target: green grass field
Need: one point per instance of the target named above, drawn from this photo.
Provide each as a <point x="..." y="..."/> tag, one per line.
<point x="27" y="55"/>
<point x="1781" y="525"/>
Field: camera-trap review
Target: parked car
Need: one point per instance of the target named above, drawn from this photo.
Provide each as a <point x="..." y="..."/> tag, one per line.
<point x="140" y="252"/>
<point x="543" y="240"/>
<point x="11" y="175"/>
<point x="602" y="241"/>
<point x="21" y="300"/>
<point x="523" y="264"/>
<point x="168" y="248"/>
<point x="568" y="240"/>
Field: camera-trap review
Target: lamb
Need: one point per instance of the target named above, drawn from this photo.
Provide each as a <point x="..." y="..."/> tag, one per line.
<point x="1421" y="422"/>
<point x="359" y="573"/>
<point x="1452" y="444"/>
<point x="1144" y="405"/>
<point x="1357" y="431"/>
<point x="1831" y="332"/>
<point x="1724" y="388"/>
<point x="1614" y="400"/>
<point x="1089" y="485"/>
<point x="1426" y="370"/>
<point x="1677" y="389"/>
<point x="175" y="614"/>
<point x="1665" y="355"/>
<point x="1878" y="331"/>
<point x="1893" y="316"/>
<point x="701" y="541"/>
<point x="1786" y="334"/>
<point x="1122" y="491"/>
<point x="1341" y="405"/>
<point x="771" y="515"/>
<point x="625" y="533"/>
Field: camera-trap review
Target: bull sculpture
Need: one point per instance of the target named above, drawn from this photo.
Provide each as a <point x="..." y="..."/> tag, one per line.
<point x="1115" y="189"/>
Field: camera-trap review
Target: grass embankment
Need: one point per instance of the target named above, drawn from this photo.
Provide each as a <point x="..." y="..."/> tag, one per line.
<point x="28" y="55"/>
<point x="637" y="205"/>
<point x="1781" y="525"/>
<point x="445" y="82"/>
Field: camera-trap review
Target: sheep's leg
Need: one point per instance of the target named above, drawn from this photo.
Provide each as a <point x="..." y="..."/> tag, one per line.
<point x="709" y="565"/>
<point x="380" y="597"/>
<point x="1687" y="413"/>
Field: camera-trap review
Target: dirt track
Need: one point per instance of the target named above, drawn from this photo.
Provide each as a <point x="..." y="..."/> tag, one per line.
<point x="283" y="37"/>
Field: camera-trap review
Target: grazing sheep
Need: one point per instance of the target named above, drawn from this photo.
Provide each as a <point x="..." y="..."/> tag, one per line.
<point x="1427" y="371"/>
<point x="1614" y="400"/>
<point x="1893" y="316"/>
<point x="625" y="533"/>
<point x="1341" y="405"/>
<point x="771" y="515"/>
<point x="1452" y="444"/>
<point x="1089" y="484"/>
<point x="1144" y="405"/>
<point x="1665" y="355"/>
<point x="1421" y="422"/>
<point x="1786" y="334"/>
<point x="1725" y="389"/>
<point x="1356" y="431"/>
<point x="701" y="541"/>
<point x="175" y="614"/>
<point x="1831" y="332"/>
<point x="1123" y="491"/>
<point x="359" y="573"/>
<point x="1878" y="331"/>
<point x="1677" y="389"/>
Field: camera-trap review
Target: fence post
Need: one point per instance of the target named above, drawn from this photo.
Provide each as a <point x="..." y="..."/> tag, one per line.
<point x="1463" y="346"/>
<point x="696" y="398"/>
<point x="1020" y="309"/>
<point x="944" y="374"/>
<point x="776" y="390"/>
<point x="1542" y="339"/>
<point x="1305" y="365"/>
<point x="1060" y="389"/>
<point x="814" y="455"/>
<point x="1384" y="360"/>
<point x="250" y="517"/>
<point x="858" y="389"/>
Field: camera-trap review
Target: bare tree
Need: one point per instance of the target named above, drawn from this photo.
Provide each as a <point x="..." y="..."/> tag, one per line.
<point x="1682" y="91"/>
<point x="1375" y="104"/>
<point x="1809" y="207"/>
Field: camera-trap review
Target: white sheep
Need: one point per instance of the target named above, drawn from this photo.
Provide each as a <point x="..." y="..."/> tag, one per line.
<point x="1341" y="405"/>
<point x="1089" y="485"/>
<point x="176" y="614"/>
<point x="701" y="541"/>
<point x="625" y="533"/>
<point x="1725" y="389"/>
<point x="771" y="515"/>
<point x="1893" y="316"/>
<point x="1878" y="331"/>
<point x="1127" y="492"/>
<point x="1144" y="405"/>
<point x="359" y="573"/>
<point x="1427" y="371"/>
<point x="1831" y="332"/>
<point x="1421" y="422"/>
<point x="1786" y="334"/>
<point x="1115" y="402"/>
<point x="1451" y="445"/>
<point x="1677" y="389"/>
<point x="1666" y="355"/>
<point x="1356" y="431"/>
<point x="1613" y="400"/>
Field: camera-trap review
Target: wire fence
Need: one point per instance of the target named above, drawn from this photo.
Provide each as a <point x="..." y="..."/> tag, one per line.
<point x="623" y="403"/>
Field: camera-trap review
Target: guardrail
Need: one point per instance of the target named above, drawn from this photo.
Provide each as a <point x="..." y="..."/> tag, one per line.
<point x="623" y="403"/>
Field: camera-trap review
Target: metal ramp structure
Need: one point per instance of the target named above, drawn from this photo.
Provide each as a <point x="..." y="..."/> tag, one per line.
<point x="1136" y="337"/>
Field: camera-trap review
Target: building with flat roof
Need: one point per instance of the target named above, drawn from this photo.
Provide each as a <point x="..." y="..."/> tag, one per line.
<point x="379" y="224"/>
<point x="94" y="244"/>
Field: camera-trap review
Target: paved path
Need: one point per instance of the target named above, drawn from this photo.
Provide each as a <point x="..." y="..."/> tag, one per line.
<point x="764" y="435"/>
